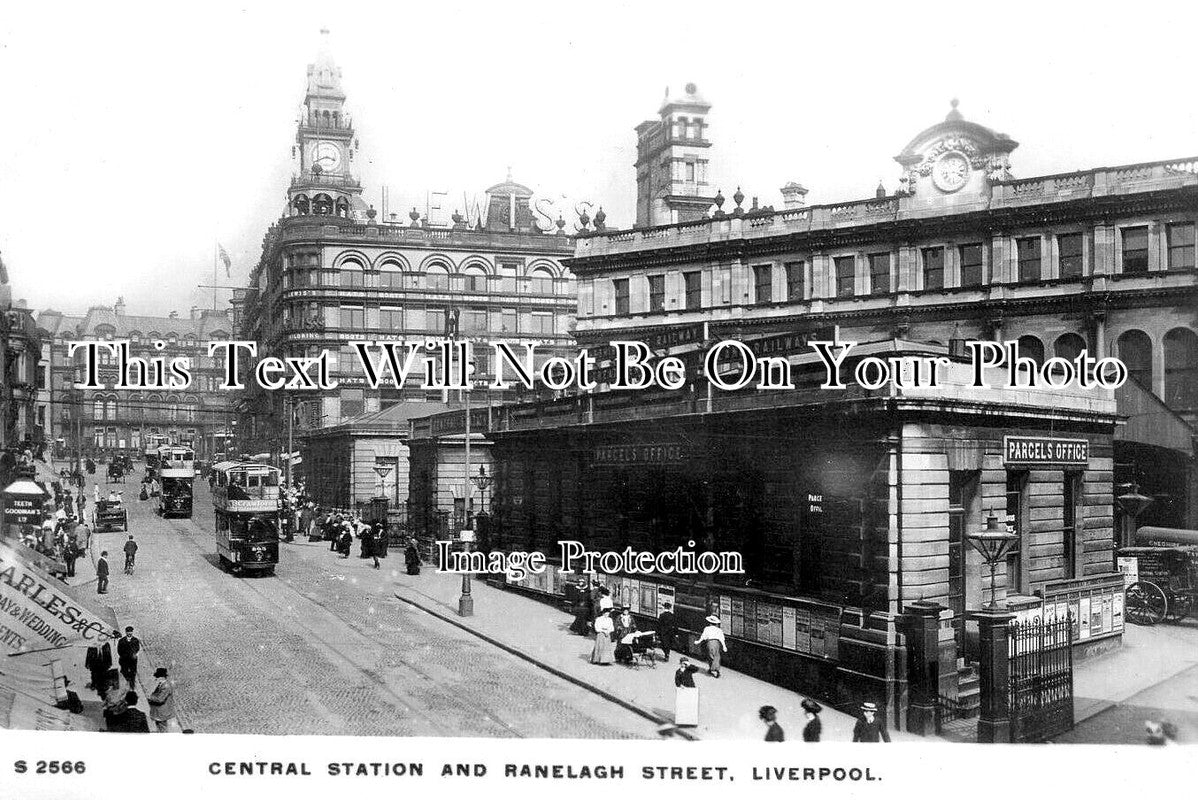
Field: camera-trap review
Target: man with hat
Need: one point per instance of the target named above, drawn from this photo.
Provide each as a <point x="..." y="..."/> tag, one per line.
<point x="712" y="640"/>
<point x="869" y="728"/>
<point x="162" y="701"/>
<point x="686" y="695"/>
<point x="814" y="727"/>
<point x="667" y="629"/>
<point x="126" y="655"/>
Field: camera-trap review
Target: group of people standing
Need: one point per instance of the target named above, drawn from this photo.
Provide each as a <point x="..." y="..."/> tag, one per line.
<point x="117" y="688"/>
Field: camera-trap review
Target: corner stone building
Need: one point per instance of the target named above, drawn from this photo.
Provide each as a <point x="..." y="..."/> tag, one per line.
<point x="331" y="272"/>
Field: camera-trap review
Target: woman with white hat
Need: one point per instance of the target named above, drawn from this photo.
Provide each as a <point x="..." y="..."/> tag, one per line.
<point x="712" y="639"/>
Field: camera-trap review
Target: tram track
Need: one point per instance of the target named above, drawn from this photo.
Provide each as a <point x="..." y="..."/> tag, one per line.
<point x="270" y="595"/>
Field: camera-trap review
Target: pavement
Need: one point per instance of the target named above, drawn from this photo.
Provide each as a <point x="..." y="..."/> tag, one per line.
<point x="539" y="632"/>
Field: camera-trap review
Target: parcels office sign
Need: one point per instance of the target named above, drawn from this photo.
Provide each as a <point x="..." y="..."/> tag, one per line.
<point x="1044" y="451"/>
<point x="628" y="454"/>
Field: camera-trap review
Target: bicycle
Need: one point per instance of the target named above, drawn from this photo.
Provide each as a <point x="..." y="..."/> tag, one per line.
<point x="128" y="565"/>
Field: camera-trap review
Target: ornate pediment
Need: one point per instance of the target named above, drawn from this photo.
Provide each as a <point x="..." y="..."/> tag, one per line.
<point x="950" y="154"/>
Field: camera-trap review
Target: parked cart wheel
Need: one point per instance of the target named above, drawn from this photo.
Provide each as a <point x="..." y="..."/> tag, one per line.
<point x="1146" y="603"/>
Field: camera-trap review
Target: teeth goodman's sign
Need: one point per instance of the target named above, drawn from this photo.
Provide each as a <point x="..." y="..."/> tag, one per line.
<point x="1044" y="450"/>
<point x="38" y="612"/>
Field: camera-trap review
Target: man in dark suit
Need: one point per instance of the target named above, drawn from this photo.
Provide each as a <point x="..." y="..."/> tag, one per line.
<point x="102" y="573"/>
<point x="126" y="651"/>
<point x="98" y="662"/>
<point x="667" y="629"/>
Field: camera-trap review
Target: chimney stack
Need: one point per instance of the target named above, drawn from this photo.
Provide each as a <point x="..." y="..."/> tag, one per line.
<point x="195" y="312"/>
<point x="119" y="307"/>
<point x="794" y="195"/>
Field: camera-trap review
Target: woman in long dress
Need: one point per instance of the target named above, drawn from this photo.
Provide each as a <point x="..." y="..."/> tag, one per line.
<point x="712" y="640"/>
<point x="602" y="653"/>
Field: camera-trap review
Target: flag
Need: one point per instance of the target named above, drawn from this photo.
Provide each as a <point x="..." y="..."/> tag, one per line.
<point x="225" y="258"/>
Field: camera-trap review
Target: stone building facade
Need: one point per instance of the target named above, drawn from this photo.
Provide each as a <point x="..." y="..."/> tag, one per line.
<point x="332" y="271"/>
<point x="100" y="421"/>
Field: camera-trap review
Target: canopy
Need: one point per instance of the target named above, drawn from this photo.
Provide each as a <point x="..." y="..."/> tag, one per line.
<point x="27" y="698"/>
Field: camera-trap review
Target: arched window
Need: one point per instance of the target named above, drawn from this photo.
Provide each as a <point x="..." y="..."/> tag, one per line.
<point x="541" y="281"/>
<point x="98" y="408"/>
<point x="437" y="277"/>
<point x="110" y="408"/>
<point x="352" y="275"/>
<point x="1031" y="347"/>
<point x="301" y="204"/>
<point x="390" y="275"/>
<point x="1135" y="351"/>
<point x="342" y="207"/>
<point x="476" y="279"/>
<point x="1068" y="346"/>
<point x="322" y="204"/>
<point x="1181" y="369"/>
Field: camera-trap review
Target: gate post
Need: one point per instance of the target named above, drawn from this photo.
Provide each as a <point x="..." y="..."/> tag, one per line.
<point x="994" y="721"/>
<point x="920" y="623"/>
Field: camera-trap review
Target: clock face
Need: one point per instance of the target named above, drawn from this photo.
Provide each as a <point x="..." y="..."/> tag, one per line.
<point x="950" y="172"/>
<point x="327" y="155"/>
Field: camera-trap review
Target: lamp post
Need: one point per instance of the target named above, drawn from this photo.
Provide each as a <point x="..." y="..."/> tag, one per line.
<point x="1132" y="504"/>
<point x="993" y="543"/>
<point x="483" y="481"/>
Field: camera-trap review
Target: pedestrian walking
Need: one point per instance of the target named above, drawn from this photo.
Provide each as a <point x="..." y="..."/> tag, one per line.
<point x="81" y="504"/>
<point x="378" y="534"/>
<point x="583" y="609"/>
<point x="162" y="702"/>
<point x="130" y="554"/>
<point x="411" y="557"/>
<point x="70" y="555"/>
<point x="869" y="728"/>
<point x="606" y="603"/>
<point x="686" y="695"/>
<point x="603" y="653"/>
<point x="127" y="650"/>
<point x="814" y="727"/>
<point x="667" y="629"/>
<point x="102" y="573"/>
<point x="96" y="492"/>
<point x="98" y="662"/>
<point x="773" y="732"/>
<point x="365" y="539"/>
<point x="712" y="640"/>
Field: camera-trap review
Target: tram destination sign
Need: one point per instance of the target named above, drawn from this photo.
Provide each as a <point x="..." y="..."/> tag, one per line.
<point x="1044" y="450"/>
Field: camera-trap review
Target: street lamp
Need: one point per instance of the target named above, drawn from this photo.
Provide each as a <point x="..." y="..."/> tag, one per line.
<point x="993" y="542"/>
<point x="483" y="481"/>
<point x="1132" y="504"/>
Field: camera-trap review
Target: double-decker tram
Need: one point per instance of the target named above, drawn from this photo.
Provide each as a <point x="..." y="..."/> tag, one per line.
<point x="246" y="498"/>
<point x="176" y="472"/>
<point x="153" y="443"/>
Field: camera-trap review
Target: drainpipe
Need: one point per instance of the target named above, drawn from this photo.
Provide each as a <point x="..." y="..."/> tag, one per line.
<point x="896" y="443"/>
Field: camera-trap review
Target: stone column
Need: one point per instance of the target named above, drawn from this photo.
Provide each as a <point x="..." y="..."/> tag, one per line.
<point x="994" y="722"/>
<point x="920" y="623"/>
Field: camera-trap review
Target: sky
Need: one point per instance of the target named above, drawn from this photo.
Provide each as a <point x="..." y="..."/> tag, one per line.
<point x="135" y="137"/>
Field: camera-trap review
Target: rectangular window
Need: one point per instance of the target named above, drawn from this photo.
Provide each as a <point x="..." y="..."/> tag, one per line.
<point x="390" y="279"/>
<point x="1028" y="250"/>
<point x="507" y="321"/>
<point x="690" y="172"/>
<point x="971" y="264"/>
<point x="1070" y="247"/>
<point x="763" y="284"/>
<point x="542" y="323"/>
<point x="353" y="402"/>
<point x="474" y="320"/>
<point x="794" y="281"/>
<point x="390" y="319"/>
<point x="1180" y="236"/>
<point x="657" y="293"/>
<point x="1135" y="249"/>
<point x="434" y="319"/>
<point x="694" y="290"/>
<point x="620" y="288"/>
<point x="846" y="284"/>
<point x="540" y="282"/>
<point x="353" y="318"/>
<point x="1069" y="531"/>
<point x="933" y="268"/>
<point x="879" y="273"/>
<point x="348" y="361"/>
<point x="352" y="276"/>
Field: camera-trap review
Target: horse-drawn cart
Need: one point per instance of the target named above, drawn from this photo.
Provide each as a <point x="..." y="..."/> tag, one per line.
<point x="110" y="515"/>
<point x="1165" y="565"/>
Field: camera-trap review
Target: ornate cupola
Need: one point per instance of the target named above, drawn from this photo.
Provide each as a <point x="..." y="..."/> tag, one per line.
<point x="325" y="143"/>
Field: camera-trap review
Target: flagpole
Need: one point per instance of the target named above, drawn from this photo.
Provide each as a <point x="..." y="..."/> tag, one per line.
<point x="214" y="246"/>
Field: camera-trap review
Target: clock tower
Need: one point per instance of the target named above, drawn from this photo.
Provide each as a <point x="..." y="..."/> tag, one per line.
<point x="324" y="145"/>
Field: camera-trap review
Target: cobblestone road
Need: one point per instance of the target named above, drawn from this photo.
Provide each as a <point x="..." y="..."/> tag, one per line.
<point x="324" y="648"/>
